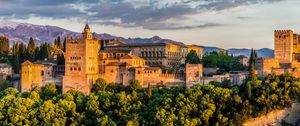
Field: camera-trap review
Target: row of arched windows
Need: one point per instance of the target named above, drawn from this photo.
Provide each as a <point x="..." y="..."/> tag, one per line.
<point x="75" y="68"/>
<point x="75" y="58"/>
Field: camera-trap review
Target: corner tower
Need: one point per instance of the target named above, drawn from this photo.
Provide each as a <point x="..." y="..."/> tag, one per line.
<point x="283" y="47"/>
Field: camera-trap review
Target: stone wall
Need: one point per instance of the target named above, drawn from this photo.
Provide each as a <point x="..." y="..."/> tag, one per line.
<point x="274" y="118"/>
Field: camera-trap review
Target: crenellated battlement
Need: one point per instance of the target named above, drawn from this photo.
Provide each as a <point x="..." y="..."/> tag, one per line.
<point x="283" y="31"/>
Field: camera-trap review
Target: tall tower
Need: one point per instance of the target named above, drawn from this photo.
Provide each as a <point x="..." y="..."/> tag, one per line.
<point x="81" y="62"/>
<point x="87" y="34"/>
<point x="283" y="47"/>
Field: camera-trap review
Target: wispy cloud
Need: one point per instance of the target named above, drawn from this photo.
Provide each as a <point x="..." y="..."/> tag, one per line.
<point x="148" y="14"/>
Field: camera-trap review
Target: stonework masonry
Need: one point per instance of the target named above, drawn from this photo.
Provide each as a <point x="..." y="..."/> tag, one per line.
<point x="86" y="60"/>
<point x="287" y="55"/>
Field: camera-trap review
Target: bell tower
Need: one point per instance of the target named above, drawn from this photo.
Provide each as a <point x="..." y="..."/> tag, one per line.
<point x="87" y="34"/>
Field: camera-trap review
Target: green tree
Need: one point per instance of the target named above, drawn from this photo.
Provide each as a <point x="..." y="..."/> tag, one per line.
<point x="16" y="58"/>
<point x="45" y="51"/>
<point x="30" y="50"/>
<point x="192" y="58"/>
<point x="58" y="43"/>
<point x="64" y="44"/>
<point x="4" y="84"/>
<point x="134" y="85"/>
<point x="252" y="59"/>
<point x="60" y="59"/>
<point x="49" y="91"/>
<point x="22" y="53"/>
<point x="37" y="54"/>
<point x="4" y="46"/>
<point x="100" y="85"/>
<point x="252" y="76"/>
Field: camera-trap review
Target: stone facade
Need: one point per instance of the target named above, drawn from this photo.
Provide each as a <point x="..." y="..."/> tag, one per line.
<point x="81" y="62"/>
<point x="32" y="76"/>
<point x="244" y="60"/>
<point x="38" y="74"/>
<point x="5" y="71"/>
<point x="287" y="55"/>
<point x="167" y="55"/>
<point x="86" y="61"/>
<point x="283" y="44"/>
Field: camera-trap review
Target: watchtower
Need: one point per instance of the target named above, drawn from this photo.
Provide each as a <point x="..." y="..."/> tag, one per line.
<point x="283" y="48"/>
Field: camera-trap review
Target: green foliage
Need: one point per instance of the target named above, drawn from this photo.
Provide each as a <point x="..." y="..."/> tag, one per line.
<point x="192" y="58"/>
<point x="64" y="44"/>
<point x="5" y="84"/>
<point x="134" y="85"/>
<point x="4" y="46"/>
<point x="30" y="50"/>
<point x="60" y="59"/>
<point x="198" y="105"/>
<point x="223" y="61"/>
<point x="253" y="57"/>
<point x="15" y="61"/>
<point x="100" y="85"/>
<point x="49" y="91"/>
<point x="57" y="43"/>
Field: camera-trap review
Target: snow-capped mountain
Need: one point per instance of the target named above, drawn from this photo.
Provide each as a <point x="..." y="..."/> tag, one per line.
<point x="21" y="32"/>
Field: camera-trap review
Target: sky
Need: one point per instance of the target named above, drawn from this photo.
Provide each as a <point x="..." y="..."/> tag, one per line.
<point x="220" y="23"/>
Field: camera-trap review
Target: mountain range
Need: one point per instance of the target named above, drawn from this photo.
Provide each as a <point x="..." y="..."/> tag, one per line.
<point x="21" y="32"/>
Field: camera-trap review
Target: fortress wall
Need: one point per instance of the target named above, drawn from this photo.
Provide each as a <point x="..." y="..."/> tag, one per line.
<point x="274" y="118"/>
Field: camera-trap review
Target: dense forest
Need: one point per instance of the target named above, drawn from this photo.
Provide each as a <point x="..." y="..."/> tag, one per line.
<point x="108" y="104"/>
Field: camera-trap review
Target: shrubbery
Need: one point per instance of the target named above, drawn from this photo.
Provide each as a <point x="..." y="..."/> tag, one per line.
<point x="116" y="105"/>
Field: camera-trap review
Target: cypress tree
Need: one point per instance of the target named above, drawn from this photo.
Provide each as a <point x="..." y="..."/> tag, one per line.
<point x="4" y="46"/>
<point x="64" y="44"/>
<point x="30" y="49"/>
<point x="22" y="52"/>
<point x="16" y="58"/>
<point x="58" y="42"/>
<point x="37" y="54"/>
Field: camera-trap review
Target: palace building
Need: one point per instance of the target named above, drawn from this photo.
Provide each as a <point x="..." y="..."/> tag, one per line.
<point x="87" y="59"/>
<point x="167" y="55"/>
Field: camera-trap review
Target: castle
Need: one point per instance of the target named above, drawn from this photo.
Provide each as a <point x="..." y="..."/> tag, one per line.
<point x="286" y="55"/>
<point x="87" y="59"/>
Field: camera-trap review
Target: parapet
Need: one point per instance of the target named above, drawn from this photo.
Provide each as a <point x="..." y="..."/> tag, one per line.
<point x="283" y="31"/>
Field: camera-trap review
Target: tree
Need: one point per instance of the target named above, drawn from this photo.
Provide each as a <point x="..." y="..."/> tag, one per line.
<point x="64" y="44"/>
<point x="249" y="90"/>
<point x="149" y="91"/>
<point x="22" y="53"/>
<point x="30" y="50"/>
<point x="134" y="85"/>
<point x="37" y="54"/>
<point x="100" y="85"/>
<point x="4" y="46"/>
<point x="252" y="59"/>
<point x="192" y="58"/>
<point x="49" y="91"/>
<point x="16" y="58"/>
<point x="60" y="59"/>
<point x="58" y="43"/>
<point x="4" y="84"/>
<point x="252" y="76"/>
<point x="44" y="51"/>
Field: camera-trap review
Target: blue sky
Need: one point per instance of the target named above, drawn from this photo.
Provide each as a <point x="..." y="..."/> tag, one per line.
<point x="221" y="23"/>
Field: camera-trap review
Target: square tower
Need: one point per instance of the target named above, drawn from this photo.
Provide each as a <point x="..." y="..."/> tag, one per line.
<point x="283" y="47"/>
<point x="81" y="62"/>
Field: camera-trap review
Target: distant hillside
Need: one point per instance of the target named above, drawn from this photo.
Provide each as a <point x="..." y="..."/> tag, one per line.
<point x="21" y="32"/>
<point x="264" y="52"/>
